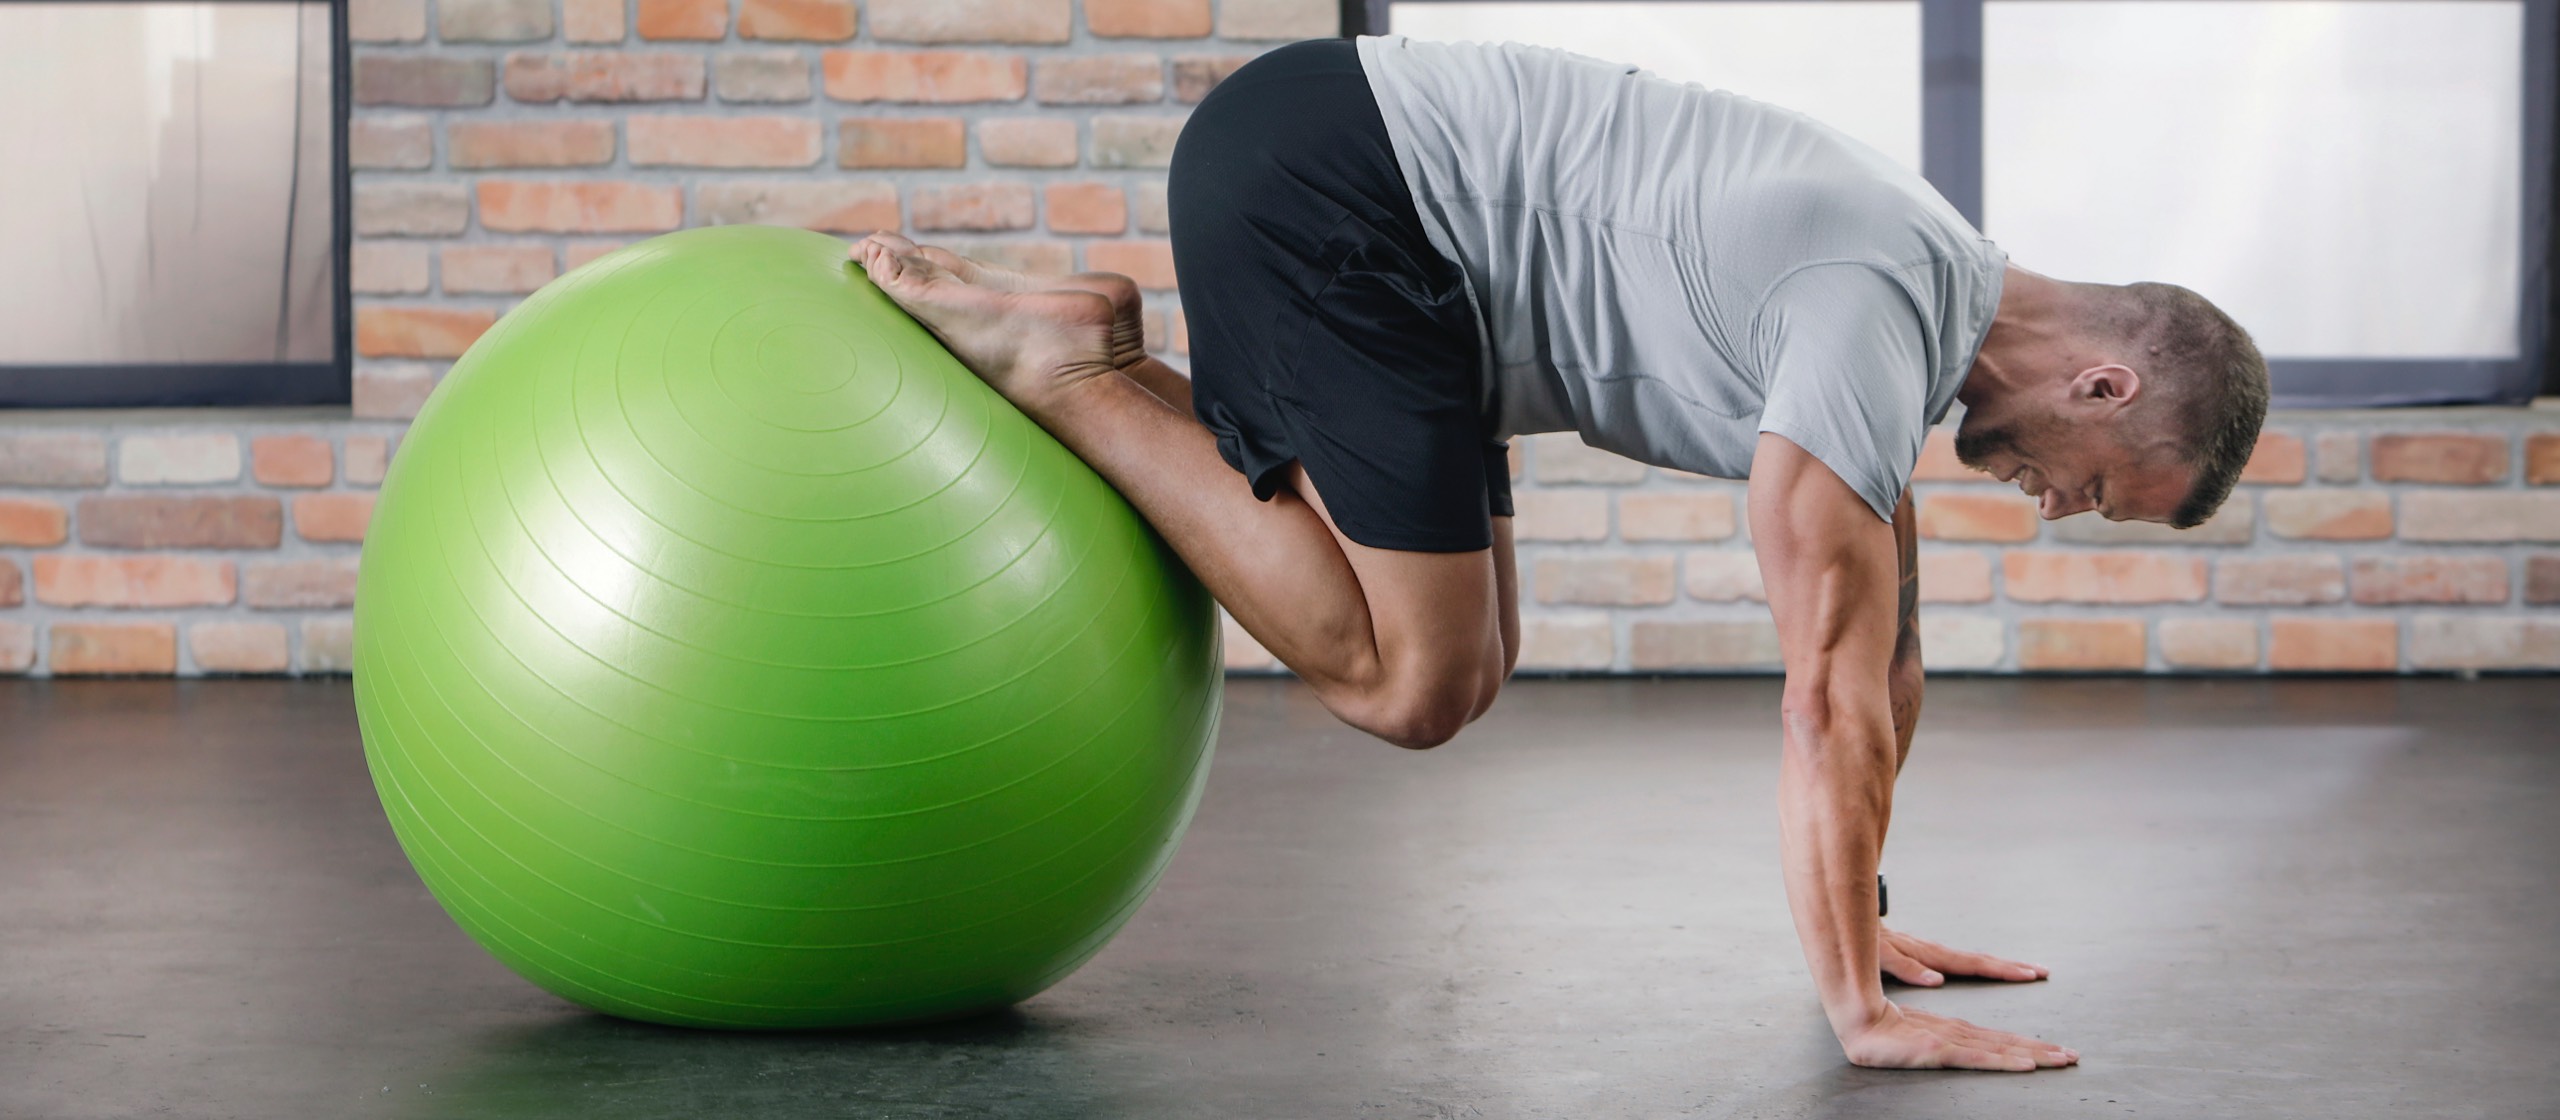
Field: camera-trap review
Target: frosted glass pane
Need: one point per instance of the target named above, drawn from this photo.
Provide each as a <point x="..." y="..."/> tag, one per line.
<point x="2343" y="177"/>
<point x="1853" y="65"/>
<point x="167" y="173"/>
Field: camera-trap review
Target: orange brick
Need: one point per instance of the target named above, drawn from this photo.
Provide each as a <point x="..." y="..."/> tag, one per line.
<point x="2280" y="579"/>
<point x="684" y="19"/>
<point x="905" y="142"/>
<point x="419" y="332"/>
<point x="577" y="253"/>
<point x="134" y="581"/>
<point x="53" y="459"/>
<point x="17" y="642"/>
<point x="368" y="459"/>
<point x="386" y="21"/>
<point x="178" y="458"/>
<point x="13" y="583"/>
<point x="391" y="143"/>
<point x="971" y="21"/>
<point x="2502" y="515"/>
<point x="2341" y="457"/>
<point x="478" y="144"/>
<point x="332" y="517"/>
<point x="1147" y="19"/>
<point x="496" y="269"/>
<point x="1181" y="332"/>
<point x="1028" y="142"/>
<point x="1148" y="261"/>
<point x="2081" y="644"/>
<point x="2334" y="645"/>
<point x="1673" y="516"/>
<point x="291" y="461"/>
<point x="1954" y="576"/>
<point x="657" y="141"/>
<point x="592" y="21"/>
<point x="423" y="80"/>
<point x="112" y="648"/>
<point x="926" y="77"/>
<point x="833" y="205"/>
<point x="535" y="206"/>
<point x="392" y="390"/>
<point x="2209" y="643"/>
<point x="2102" y="577"/>
<point x="1612" y="581"/>
<point x="1099" y="79"/>
<point x="328" y="644"/>
<point x="32" y="522"/>
<point x="2330" y="515"/>
<point x="151" y="521"/>
<point x="2542" y="459"/>
<point x="810" y="21"/>
<point x="770" y="76"/>
<point x="1938" y="462"/>
<point x="1978" y="517"/>
<point x="2462" y="458"/>
<point x="399" y="209"/>
<point x="387" y="268"/>
<point x="2490" y="641"/>
<point x="1702" y="645"/>
<point x="1560" y="515"/>
<point x="1723" y="575"/>
<point x="237" y="647"/>
<point x="1195" y="75"/>
<point x="1152" y="215"/>
<point x="2430" y="579"/>
<point x="300" y="584"/>
<point x="1086" y="208"/>
<point x="535" y="77"/>
<point x="1135" y="141"/>
<point x="2542" y="579"/>
<point x="1567" y="641"/>
<point x="2279" y="459"/>
<point x="1278" y="19"/>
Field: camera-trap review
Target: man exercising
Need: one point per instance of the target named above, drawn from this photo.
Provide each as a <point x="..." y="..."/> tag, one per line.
<point x="1394" y="255"/>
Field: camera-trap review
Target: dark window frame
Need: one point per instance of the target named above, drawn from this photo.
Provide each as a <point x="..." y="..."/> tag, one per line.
<point x="225" y="384"/>
<point x="1951" y="127"/>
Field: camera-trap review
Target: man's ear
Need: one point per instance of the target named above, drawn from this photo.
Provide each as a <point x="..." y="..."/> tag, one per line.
<point x="2110" y="386"/>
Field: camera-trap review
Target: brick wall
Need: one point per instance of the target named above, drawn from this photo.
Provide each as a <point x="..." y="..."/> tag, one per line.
<point x="499" y="142"/>
<point x="2424" y="540"/>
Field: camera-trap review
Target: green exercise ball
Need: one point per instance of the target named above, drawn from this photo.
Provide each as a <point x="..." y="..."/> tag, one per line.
<point x="728" y="655"/>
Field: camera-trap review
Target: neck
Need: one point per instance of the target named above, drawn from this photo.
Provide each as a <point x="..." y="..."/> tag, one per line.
<point x="2029" y="331"/>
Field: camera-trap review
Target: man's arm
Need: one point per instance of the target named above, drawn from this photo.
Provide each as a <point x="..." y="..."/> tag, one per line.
<point x="1830" y="568"/>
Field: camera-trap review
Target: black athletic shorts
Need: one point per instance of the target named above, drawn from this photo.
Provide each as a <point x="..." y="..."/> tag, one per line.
<point x="1324" y="327"/>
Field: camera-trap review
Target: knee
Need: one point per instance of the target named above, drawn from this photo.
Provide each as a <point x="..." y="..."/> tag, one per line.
<point x="1419" y="714"/>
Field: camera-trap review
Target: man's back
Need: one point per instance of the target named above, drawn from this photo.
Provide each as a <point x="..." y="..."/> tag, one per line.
<point x="1670" y="269"/>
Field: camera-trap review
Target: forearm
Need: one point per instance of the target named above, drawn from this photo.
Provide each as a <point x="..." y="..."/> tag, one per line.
<point x="1835" y="793"/>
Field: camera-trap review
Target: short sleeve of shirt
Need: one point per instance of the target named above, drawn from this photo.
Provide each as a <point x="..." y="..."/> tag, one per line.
<point x="1844" y="357"/>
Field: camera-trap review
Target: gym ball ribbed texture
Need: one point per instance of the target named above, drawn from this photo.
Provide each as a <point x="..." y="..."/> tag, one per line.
<point x="728" y="655"/>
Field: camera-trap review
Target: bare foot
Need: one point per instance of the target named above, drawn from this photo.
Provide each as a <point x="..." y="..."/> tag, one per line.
<point x="1028" y="345"/>
<point x="1128" y="331"/>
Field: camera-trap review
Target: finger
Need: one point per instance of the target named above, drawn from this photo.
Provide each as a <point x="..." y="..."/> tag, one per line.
<point x="1901" y="966"/>
<point x="893" y="241"/>
<point x="960" y="266"/>
<point x="1961" y="963"/>
<point x="1950" y="1025"/>
<point x="1974" y="1057"/>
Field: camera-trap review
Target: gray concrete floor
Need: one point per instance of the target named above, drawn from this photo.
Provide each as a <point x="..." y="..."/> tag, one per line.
<point x="2306" y="898"/>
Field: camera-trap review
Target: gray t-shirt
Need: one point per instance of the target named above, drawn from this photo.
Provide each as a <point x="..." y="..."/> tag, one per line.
<point x="1671" y="270"/>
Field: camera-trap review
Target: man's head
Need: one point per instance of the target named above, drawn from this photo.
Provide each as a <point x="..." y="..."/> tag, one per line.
<point x="2141" y="401"/>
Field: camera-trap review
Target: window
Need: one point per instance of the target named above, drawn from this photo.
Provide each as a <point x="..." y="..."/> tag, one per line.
<point x="2366" y="183"/>
<point x="176" y="216"/>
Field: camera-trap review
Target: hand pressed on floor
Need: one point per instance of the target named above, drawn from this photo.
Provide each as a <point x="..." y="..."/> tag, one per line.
<point x="1927" y="964"/>
<point x="1909" y="1038"/>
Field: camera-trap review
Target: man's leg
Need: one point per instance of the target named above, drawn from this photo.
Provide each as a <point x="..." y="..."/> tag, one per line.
<point x="1408" y="646"/>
